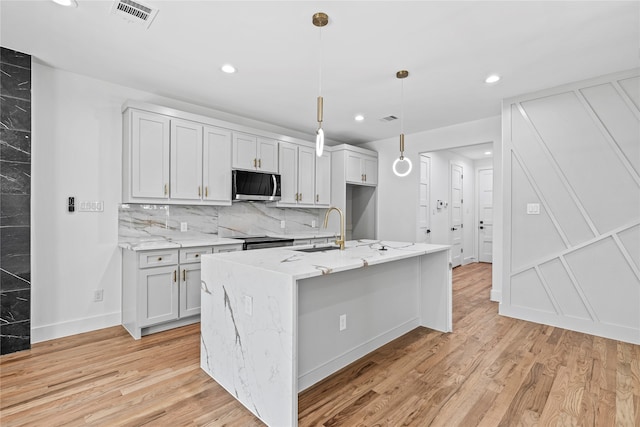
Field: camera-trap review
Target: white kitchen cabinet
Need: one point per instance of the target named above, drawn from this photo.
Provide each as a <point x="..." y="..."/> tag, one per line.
<point x="255" y="153"/>
<point x="361" y="169"/>
<point x="161" y="288"/>
<point x="175" y="160"/>
<point x="323" y="180"/>
<point x="216" y="167"/>
<point x="186" y="160"/>
<point x="146" y="155"/>
<point x="305" y="178"/>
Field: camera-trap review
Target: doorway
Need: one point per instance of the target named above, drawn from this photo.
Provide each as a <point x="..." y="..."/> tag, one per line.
<point x="485" y="214"/>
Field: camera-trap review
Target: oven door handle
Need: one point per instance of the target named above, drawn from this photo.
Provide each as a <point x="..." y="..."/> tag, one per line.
<point x="275" y="185"/>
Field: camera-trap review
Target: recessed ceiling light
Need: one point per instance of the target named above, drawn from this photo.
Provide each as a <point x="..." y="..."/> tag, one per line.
<point x="359" y="118"/>
<point x="487" y="153"/>
<point x="493" y="78"/>
<point x="68" y="3"/>
<point x="228" y="68"/>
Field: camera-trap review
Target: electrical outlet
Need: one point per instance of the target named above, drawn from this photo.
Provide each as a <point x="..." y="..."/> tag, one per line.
<point x="343" y="322"/>
<point x="282" y="224"/>
<point x="98" y="295"/>
<point x="313" y="223"/>
<point x="183" y="226"/>
<point x="248" y="305"/>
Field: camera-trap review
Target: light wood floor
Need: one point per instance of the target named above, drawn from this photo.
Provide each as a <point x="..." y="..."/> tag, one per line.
<point x="492" y="371"/>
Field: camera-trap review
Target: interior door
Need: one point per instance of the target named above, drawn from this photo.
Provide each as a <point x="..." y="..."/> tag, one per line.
<point x="455" y="220"/>
<point x="424" y="207"/>
<point x="485" y="215"/>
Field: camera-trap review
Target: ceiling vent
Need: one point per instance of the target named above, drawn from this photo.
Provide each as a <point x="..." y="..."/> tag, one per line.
<point x="389" y="118"/>
<point x="134" y="11"/>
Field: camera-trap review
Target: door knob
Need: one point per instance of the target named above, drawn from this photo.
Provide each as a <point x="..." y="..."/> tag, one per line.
<point x="453" y="229"/>
<point x="428" y="231"/>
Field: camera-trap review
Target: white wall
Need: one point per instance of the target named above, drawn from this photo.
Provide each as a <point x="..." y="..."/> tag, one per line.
<point x="574" y="151"/>
<point x="398" y="198"/>
<point x="77" y="145"/>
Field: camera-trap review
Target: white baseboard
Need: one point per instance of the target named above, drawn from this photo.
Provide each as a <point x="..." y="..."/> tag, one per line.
<point x="496" y="295"/>
<point x="73" y="327"/>
<point x="311" y="377"/>
<point x="469" y="260"/>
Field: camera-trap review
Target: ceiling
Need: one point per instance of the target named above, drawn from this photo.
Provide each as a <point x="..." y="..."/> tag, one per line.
<point x="448" y="47"/>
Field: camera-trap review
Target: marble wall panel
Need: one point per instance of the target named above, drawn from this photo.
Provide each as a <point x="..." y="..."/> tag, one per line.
<point x="15" y="201"/>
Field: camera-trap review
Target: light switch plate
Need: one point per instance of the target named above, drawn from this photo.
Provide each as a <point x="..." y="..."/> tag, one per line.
<point x="90" y="206"/>
<point x="533" y="208"/>
<point x="248" y="305"/>
<point x="282" y="224"/>
<point x="183" y="226"/>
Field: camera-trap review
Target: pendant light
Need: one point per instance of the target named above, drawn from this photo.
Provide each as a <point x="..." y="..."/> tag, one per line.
<point x="405" y="169"/>
<point x="320" y="19"/>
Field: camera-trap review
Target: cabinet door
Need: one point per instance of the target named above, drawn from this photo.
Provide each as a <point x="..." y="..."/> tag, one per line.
<point x="288" y="172"/>
<point x="216" y="169"/>
<point x="370" y="170"/>
<point x="244" y="151"/>
<point x="190" y="289"/>
<point x="267" y="154"/>
<point x="306" y="175"/>
<point x="186" y="160"/>
<point x="232" y="247"/>
<point x="149" y="155"/>
<point x="354" y="168"/>
<point x="323" y="180"/>
<point x="158" y="298"/>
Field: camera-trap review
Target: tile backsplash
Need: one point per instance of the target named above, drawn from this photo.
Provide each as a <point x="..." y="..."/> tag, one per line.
<point x="238" y="220"/>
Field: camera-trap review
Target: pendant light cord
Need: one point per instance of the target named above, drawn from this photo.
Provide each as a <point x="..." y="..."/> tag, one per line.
<point x="401" y="105"/>
<point x="320" y="68"/>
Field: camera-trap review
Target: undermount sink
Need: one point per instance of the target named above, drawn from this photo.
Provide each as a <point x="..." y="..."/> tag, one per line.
<point x="318" y="249"/>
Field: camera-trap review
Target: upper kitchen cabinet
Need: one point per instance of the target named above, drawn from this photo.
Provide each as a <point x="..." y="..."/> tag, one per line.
<point x="145" y="156"/>
<point x="172" y="160"/>
<point x="255" y="153"/>
<point x="361" y="168"/>
<point x="306" y="179"/>
<point x="186" y="160"/>
<point x="216" y="156"/>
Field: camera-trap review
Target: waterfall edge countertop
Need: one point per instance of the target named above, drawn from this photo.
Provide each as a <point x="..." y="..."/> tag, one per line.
<point x="358" y="253"/>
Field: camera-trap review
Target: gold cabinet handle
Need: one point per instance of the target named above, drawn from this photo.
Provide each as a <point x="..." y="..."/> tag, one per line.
<point x="197" y="255"/>
<point x="362" y="177"/>
<point x="260" y="163"/>
<point x="159" y="258"/>
<point x="184" y="275"/>
<point x="166" y="189"/>
<point x="317" y="198"/>
<point x="206" y="191"/>
<point x="199" y="191"/>
<point x="255" y="163"/>
<point x="300" y="197"/>
<point x="296" y="198"/>
<point x="365" y="177"/>
<point x="175" y="278"/>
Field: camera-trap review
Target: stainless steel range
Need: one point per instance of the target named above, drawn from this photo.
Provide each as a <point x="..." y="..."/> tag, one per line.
<point x="262" y="242"/>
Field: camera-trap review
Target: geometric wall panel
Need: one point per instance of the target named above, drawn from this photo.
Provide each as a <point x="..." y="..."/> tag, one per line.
<point x="618" y="119"/>
<point x="631" y="87"/>
<point x="608" y="283"/>
<point x="527" y="291"/>
<point x="534" y="236"/>
<point x="563" y="290"/>
<point x="576" y="149"/>
<point x="544" y="175"/>
<point x="602" y="183"/>
<point x="630" y="239"/>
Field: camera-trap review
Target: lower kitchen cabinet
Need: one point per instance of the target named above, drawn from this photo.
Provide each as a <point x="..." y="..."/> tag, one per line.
<point x="161" y="288"/>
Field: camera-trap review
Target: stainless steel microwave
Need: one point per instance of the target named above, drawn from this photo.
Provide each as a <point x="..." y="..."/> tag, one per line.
<point x="248" y="185"/>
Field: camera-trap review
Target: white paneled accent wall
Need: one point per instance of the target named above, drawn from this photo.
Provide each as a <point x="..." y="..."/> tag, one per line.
<point x="573" y="154"/>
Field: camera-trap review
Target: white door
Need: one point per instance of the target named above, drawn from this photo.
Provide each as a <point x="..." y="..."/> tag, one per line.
<point x="455" y="236"/>
<point x="186" y="160"/>
<point x="424" y="208"/>
<point x="306" y="175"/>
<point x="190" y="289"/>
<point x="323" y="179"/>
<point x="267" y="154"/>
<point x="485" y="215"/>
<point x="149" y="155"/>
<point x="354" y="168"/>
<point x="158" y="295"/>
<point x="288" y="172"/>
<point x="370" y="170"/>
<point x="216" y="167"/>
<point x="244" y="152"/>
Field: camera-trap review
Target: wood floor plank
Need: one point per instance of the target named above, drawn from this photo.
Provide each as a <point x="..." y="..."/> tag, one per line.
<point x="490" y="371"/>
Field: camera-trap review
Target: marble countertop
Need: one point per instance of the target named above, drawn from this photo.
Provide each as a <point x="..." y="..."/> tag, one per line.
<point x="187" y="239"/>
<point x="301" y="265"/>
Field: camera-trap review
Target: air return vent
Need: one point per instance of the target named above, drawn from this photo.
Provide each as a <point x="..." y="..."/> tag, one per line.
<point x="389" y="118"/>
<point x="134" y="11"/>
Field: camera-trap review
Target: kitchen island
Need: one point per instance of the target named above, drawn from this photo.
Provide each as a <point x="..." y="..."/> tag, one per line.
<point x="276" y="321"/>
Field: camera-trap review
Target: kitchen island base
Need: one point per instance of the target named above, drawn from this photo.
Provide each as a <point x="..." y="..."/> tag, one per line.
<point x="270" y="332"/>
